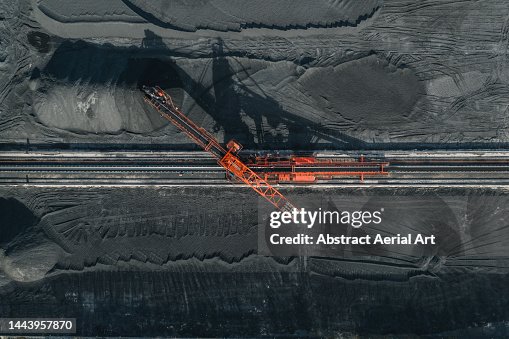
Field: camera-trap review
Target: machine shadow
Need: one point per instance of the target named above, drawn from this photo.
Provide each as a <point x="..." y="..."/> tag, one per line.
<point x="234" y="107"/>
<point x="232" y="100"/>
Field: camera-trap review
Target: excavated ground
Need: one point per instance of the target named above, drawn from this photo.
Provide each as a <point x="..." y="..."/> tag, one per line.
<point x="393" y="75"/>
<point x="157" y="256"/>
<point x="298" y="75"/>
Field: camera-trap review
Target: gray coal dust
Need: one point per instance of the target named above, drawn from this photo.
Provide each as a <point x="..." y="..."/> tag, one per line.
<point x="274" y="75"/>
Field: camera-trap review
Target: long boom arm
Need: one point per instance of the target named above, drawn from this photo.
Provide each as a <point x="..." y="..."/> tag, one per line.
<point x="227" y="158"/>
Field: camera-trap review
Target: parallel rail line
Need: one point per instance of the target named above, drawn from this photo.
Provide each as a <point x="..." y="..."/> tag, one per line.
<point x="154" y="169"/>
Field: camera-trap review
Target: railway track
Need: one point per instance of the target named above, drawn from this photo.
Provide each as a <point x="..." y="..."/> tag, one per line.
<point x="151" y="168"/>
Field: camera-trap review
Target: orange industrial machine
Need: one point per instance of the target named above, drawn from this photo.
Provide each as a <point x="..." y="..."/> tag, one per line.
<point x="310" y="169"/>
<point x="262" y="170"/>
<point x="227" y="158"/>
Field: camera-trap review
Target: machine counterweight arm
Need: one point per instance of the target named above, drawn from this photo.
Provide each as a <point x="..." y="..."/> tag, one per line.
<point x="235" y="166"/>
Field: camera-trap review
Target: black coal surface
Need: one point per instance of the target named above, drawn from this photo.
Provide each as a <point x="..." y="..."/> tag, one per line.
<point x="289" y="74"/>
<point x="182" y="262"/>
<point x="15" y="218"/>
<point x="142" y="303"/>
